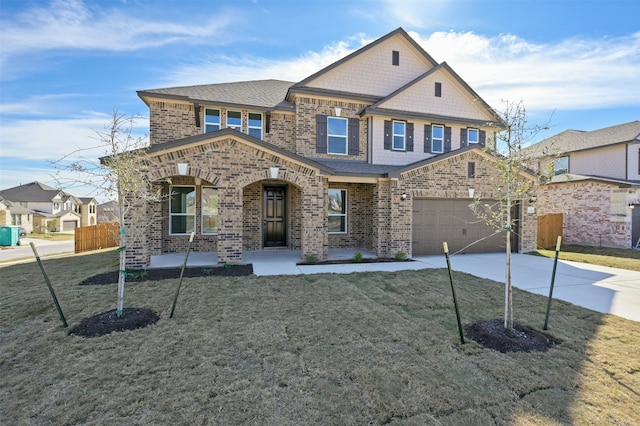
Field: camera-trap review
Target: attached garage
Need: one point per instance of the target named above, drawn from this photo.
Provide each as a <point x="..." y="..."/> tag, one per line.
<point x="69" y="225"/>
<point x="451" y="220"/>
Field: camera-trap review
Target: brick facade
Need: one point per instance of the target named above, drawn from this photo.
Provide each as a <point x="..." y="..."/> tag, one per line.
<point x="594" y="213"/>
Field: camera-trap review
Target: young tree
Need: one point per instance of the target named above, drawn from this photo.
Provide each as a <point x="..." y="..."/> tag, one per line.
<point x="118" y="173"/>
<point x="516" y="183"/>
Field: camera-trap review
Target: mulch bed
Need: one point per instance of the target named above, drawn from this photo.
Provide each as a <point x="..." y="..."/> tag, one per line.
<point x="108" y="322"/>
<point x="492" y="334"/>
<point x="169" y="273"/>
<point x="350" y="261"/>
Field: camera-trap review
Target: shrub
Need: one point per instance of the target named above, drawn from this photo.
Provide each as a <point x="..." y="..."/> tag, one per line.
<point x="311" y="258"/>
<point x="401" y="255"/>
<point x="357" y="258"/>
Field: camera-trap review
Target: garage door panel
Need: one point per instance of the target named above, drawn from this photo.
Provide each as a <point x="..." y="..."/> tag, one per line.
<point x="438" y="220"/>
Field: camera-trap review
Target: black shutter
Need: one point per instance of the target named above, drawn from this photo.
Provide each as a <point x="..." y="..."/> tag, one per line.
<point x="463" y="138"/>
<point x="483" y="138"/>
<point x="321" y="134"/>
<point x="196" y="110"/>
<point x="387" y="134"/>
<point x="409" y="137"/>
<point x="427" y="138"/>
<point x="354" y="136"/>
<point x="447" y="139"/>
<point x="267" y="122"/>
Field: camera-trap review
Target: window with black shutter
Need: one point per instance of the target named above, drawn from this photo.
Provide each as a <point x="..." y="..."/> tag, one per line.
<point x="321" y="134"/>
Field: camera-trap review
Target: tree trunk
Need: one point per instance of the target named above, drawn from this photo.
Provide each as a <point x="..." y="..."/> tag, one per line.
<point x="508" y="289"/>
<point x="123" y="255"/>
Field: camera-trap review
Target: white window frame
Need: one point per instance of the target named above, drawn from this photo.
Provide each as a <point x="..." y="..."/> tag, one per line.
<point x="433" y="138"/>
<point x="210" y="123"/>
<point x="250" y="127"/>
<point x="16" y="219"/>
<point x="557" y="170"/>
<point x="204" y="215"/>
<point x="344" y="206"/>
<point x="345" y="137"/>
<point x="185" y="214"/>
<point x="477" y="137"/>
<point x="402" y="135"/>
<point x="239" y="112"/>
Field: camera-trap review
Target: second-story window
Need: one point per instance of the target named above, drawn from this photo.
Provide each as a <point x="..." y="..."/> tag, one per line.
<point x="473" y="136"/>
<point x="254" y="127"/>
<point x="437" y="138"/>
<point x="234" y="120"/>
<point x="399" y="129"/>
<point x="337" y="135"/>
<point x="211" y="120"/>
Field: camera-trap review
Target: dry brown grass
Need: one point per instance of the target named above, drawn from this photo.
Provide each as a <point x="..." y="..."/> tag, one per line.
<point x="366" y="348"/>
<point x="603" y="256"/>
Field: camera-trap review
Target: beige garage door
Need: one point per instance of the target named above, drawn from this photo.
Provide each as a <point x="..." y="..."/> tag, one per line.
<point x="438" y="220"/>
<point x="69" y="225"/>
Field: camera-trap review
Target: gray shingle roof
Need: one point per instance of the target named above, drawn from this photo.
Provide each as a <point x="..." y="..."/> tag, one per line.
<point x="34" y="191"/>
<point x="353" y="167"/>
<point x="578" y="140"/>
<point x="256" y="93"/>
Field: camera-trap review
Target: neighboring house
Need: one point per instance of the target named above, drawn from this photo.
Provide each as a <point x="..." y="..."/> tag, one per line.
<point x="108" y="212"/>
<point x="88" y="211"/>
<point x="377" y="151"/>
<point x="596" y="184"/>
<point x="12" y="214"/>
<point x="53" y="210"/>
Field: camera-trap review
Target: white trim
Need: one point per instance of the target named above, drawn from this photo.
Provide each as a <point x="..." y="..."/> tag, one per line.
<point x="249" y="126"/>
<point x="345" y="136"/>
<point x="433" y="127"/>
<point x="469" y="136"/>
<point x="234" y="127"/>
<point x="202" y="215"/>
<point x="187" y="231"/>
<point x="345" y="214"/>
<point x="403" y="135"/>
<point x="219" y="123"/>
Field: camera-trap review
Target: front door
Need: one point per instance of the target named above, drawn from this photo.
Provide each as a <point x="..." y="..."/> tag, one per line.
<point x="275" y="216"/>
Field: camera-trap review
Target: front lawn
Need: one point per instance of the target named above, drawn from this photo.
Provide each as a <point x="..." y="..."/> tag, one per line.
<point x="364" y="348"/>
<point x="603" y="256"/>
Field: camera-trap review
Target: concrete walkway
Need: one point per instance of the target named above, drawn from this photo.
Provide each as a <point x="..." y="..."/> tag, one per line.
<point x="599" y="288"/>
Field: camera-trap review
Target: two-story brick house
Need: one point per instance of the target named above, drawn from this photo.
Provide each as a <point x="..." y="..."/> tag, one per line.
<point x="51" y="209"/>
<point x="381" y="150"/>
<point x="596" y="184"/>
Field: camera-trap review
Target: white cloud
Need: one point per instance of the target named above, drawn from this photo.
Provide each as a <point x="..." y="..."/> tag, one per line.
<point x="52" y="139"/>
<point x="571" y="74"/>
<point x="70" y="24"/>
<point x="217" y="69"/>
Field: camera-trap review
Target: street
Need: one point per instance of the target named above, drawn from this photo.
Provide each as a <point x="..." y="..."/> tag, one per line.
<point x="23" y="252"/>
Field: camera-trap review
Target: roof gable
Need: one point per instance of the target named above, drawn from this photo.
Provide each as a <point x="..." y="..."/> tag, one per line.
<point x="34" y="191"/>
<point x="457" y="99"/>
<point x="370" y="71"/>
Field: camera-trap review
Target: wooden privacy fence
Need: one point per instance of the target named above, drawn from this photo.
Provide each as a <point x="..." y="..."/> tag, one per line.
<point x="96" y="237"/>
<point x="549" y="227"/>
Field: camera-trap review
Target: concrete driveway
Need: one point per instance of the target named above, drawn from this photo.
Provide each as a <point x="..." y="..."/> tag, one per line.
<point x="599" y="288"/>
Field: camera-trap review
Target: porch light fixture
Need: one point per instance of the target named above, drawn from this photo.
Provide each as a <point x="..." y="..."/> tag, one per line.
<point x="182" y="168"/>
<point x="338" y="111"/>
<point x="471" y="192"/>
<point x="403" y="196"/>
<point x="274" y="172"/>
<point x="533" y="199"/>
<point x="631" y="205"/>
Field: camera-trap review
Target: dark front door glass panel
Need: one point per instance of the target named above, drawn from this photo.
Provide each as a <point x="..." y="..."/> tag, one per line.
<point x="275" y="217"/>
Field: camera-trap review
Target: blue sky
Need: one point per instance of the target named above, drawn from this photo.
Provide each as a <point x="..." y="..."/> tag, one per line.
<point x="67" y="64"/>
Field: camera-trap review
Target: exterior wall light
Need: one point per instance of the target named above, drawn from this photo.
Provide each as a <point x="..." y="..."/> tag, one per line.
<point x="631" y="205"/>
<point x="182" y="168"/>
<point x="403" y="196"/>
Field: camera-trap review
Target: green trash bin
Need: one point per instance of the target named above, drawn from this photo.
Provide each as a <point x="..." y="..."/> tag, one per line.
<point x="9" y="235"/>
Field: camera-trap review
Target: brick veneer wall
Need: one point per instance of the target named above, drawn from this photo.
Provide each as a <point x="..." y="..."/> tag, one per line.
<point x="448" y="179"/>
<point x="306" y="111"/>
<point x="282" y="131"/>
<point x="231" y="165"/>
<point x="586" y="208"/>
<point x="169" y="121"/>
<point x="359" y="217"/>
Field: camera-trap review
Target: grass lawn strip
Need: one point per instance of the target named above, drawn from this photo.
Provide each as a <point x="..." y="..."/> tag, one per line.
<point x="364" y="348"/>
